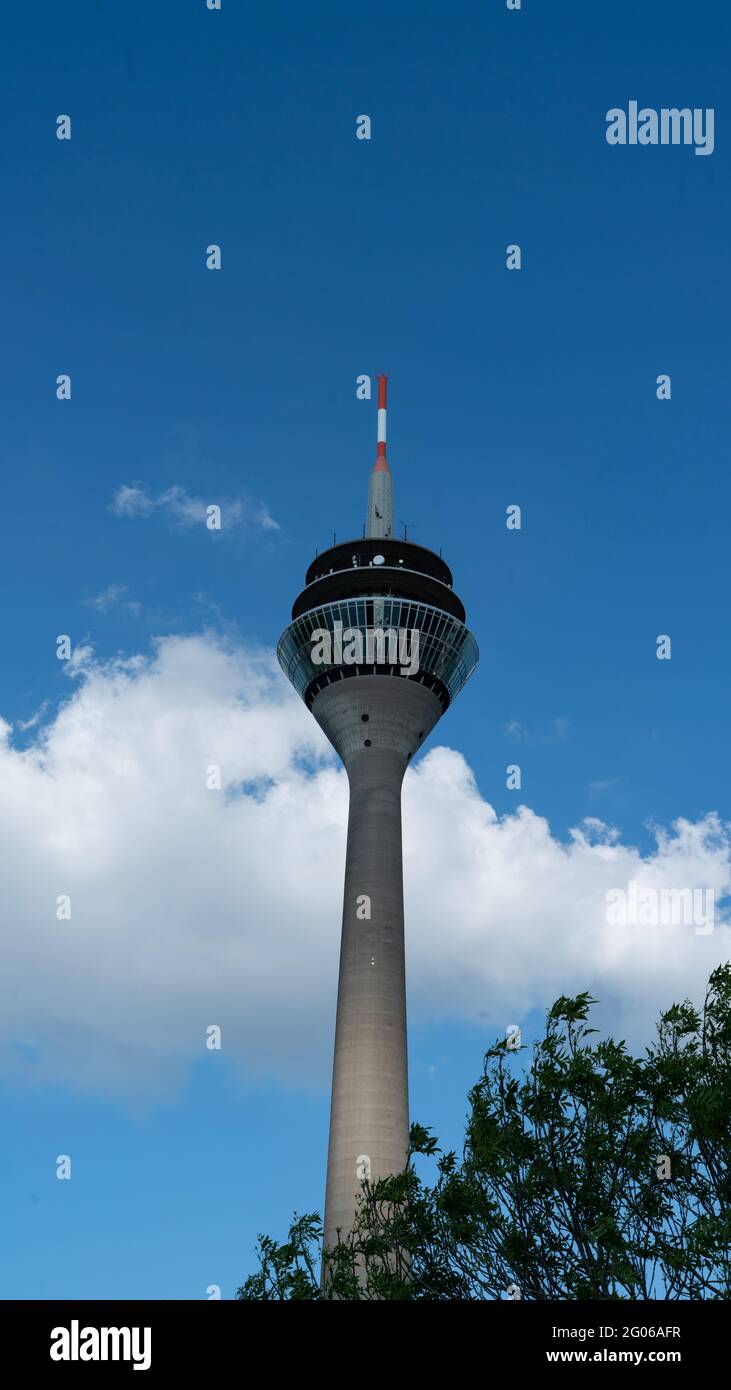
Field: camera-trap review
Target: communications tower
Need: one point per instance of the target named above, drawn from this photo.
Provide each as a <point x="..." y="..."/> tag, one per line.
<point x="378" y="649"/>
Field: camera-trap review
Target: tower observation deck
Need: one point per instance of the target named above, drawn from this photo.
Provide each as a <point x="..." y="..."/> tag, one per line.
<point x="378" y="649"/>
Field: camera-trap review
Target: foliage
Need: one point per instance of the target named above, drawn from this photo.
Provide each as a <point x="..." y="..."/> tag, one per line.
<point x="590" y="1174"/>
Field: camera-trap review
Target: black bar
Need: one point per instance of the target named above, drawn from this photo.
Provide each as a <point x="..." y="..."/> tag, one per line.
<point x="201" y="1338"/>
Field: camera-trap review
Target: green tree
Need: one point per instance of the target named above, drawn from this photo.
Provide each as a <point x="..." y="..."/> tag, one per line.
<point x="588" y="1174"/>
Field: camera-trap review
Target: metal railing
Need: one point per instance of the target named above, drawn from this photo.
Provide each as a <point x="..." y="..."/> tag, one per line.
<point x="447" y="650"/>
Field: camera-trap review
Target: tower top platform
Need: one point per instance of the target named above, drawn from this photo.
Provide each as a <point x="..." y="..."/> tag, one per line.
<point x="376" y="551"/>
<point x="364" y="594"/>
<point x="379" y="565"/>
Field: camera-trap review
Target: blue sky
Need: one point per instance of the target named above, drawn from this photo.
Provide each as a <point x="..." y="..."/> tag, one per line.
<point x="342" y="257"/>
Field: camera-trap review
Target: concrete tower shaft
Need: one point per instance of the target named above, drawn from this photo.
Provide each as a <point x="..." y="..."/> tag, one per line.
<point x="376" y="724"/>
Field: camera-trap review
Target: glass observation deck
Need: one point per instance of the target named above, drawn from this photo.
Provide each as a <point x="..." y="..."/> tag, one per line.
<point x="447" y="651"/>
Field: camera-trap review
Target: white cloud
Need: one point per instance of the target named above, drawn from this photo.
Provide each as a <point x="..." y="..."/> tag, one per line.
<point x="192" y="907"/>
<point x="557" y="732"/>
<point x="113" y="597"/>
<point x="265" y="520"/>
<point x="34" y="718"/>
<point x="80" y="659"/>
<point x="182" y="510"/>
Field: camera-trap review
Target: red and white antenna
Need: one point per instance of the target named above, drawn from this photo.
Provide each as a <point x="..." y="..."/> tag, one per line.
<point x="382" y="382"/>
<point x="380" y="491"/>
